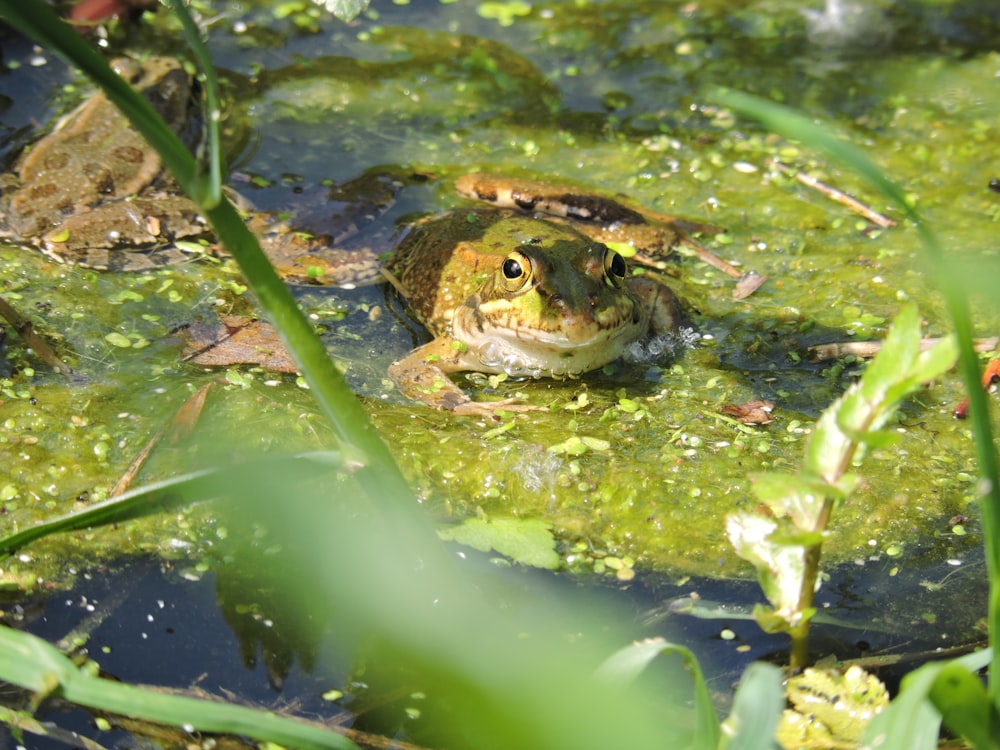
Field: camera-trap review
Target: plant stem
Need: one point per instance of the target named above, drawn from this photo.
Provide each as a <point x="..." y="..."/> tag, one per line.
<point x="799" y="657"/>
<point x="376" y="468"/>
<point x="986" y="455"/>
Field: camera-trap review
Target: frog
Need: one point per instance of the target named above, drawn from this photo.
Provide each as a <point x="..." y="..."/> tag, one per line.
<point x="92" y="191"/>
<point x="506" y="293"/>
<point x="528" y="287"/>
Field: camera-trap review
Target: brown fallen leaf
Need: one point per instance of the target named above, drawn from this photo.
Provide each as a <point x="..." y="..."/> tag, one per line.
<point x="747" y="284"/>
<point x="235" y="340"/>
<point x="752" y="412"/>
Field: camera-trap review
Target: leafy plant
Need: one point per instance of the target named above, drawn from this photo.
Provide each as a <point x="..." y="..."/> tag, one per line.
<point x="785" y="545"/>
<point x="935" y="692"/>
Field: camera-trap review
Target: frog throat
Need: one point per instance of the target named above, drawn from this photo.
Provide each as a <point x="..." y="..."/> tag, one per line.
<point x="503" y="343"/>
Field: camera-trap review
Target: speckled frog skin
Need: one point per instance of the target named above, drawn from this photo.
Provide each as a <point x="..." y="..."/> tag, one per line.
<point x="91" y="192"/>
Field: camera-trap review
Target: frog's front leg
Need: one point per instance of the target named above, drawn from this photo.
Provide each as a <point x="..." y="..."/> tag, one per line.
<point x="423" y="376"/>
<point x="666" y="314"/>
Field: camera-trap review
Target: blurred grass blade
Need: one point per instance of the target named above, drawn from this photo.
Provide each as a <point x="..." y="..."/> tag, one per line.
<point x="35" y="665"/>
<point x="185" y="490"/>
<point x="626" y="665"/>
<point x="960" y="698"/>
<point x="757" y="707"/>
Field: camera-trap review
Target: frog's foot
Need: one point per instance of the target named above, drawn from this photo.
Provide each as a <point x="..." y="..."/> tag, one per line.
<point x="422" y="376"/>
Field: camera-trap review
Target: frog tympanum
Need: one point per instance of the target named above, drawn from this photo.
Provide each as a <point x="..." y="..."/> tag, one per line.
<point x="500" y="291"/>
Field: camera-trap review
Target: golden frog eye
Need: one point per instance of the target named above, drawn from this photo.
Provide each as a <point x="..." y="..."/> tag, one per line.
<point x="614" y="265"/>
<point x="515" y="269"/>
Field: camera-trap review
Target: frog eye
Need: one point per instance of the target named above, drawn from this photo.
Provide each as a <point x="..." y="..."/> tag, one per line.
<point x="614" y="265"/>
<point x="515" y="269"/>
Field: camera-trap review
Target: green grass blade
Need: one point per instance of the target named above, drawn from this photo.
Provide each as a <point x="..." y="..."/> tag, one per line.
<point x="960" y="698"/>
<point x="795" y="126"/>
<point x="208" y="192"/>
<point x="757" y="707"/>
<point x="910" y="722"/>
<point x="626" y="665"/>
<point x="31" y="663"/>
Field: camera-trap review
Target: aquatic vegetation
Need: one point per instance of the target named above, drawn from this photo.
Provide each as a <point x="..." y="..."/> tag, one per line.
<point x="785" y="542"/>
<point x="365" y="521"/>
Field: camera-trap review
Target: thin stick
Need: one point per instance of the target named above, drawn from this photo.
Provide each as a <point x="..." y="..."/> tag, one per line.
<point x="707" y="256"/>
<point x="837" y="195"/>
<point x="867" y="349"/>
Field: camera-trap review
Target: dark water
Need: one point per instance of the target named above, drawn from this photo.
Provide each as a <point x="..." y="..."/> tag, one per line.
<point x="216" y="636"/>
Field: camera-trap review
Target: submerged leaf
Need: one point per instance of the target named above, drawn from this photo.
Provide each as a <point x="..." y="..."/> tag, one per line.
<point x="528" y="541"/>
<point x="235" y="340"/>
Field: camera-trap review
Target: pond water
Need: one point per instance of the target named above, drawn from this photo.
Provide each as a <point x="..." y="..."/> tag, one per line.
<point x="613" y="95"/>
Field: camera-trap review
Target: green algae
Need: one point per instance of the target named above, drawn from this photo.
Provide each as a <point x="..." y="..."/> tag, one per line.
<point x="638" y="462"/>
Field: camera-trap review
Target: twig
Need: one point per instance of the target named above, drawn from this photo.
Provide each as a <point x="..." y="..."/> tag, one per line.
<point x="834" y="194"/>
<point x="868" y="349"/>
<point x="746" y="284"/>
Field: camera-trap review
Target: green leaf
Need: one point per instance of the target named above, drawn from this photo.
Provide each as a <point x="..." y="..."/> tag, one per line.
<point x="960" y="698"/>
<point x="911" y="721"/>
<point x="780" y="568"/>
<point x="528" y="541"/>
<point x="756" y="708"/>
<point x="624" y="666"/>
<point x="794" y="495"/>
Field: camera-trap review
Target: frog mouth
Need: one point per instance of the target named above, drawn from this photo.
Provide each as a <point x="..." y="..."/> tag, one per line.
<point x="570" y="331"/>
